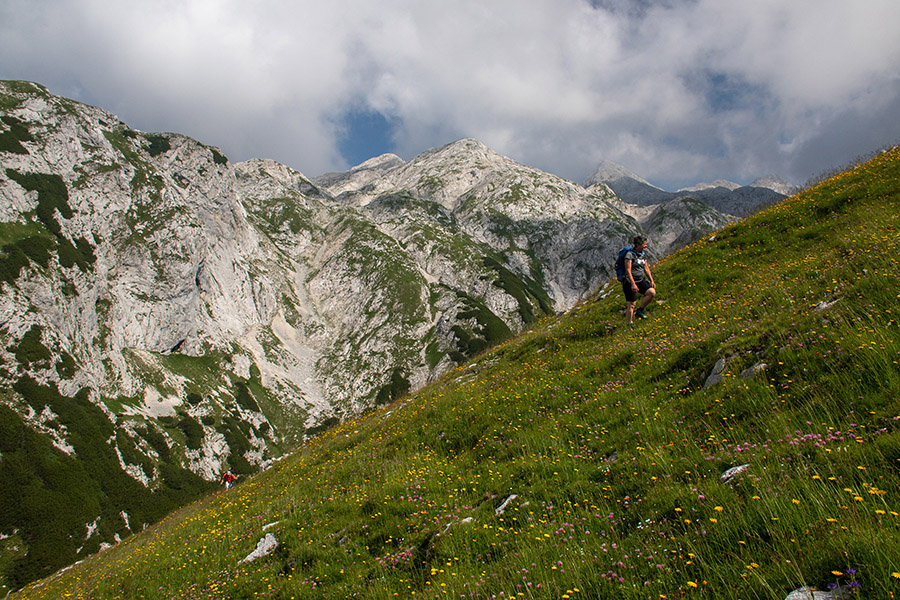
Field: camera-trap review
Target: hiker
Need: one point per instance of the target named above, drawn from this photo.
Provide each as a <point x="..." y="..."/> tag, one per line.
<point x="228" y="479"/>
<point x="637" y="278"/>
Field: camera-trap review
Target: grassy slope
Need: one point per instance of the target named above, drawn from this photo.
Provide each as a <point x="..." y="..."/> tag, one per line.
<point x="609" y="443"/>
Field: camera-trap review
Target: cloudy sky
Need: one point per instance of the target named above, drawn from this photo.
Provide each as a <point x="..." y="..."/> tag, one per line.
<point x="678" y="91"/>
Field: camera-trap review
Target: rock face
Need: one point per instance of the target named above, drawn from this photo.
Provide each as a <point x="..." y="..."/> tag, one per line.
<point x="547" y="231"/>
<point x="172" y="315"/>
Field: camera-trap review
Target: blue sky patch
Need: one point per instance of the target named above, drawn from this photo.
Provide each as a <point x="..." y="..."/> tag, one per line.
<point x="367" y="134"/>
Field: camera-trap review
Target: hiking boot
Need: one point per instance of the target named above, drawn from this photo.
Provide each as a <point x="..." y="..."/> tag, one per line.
<point x="640" y="314"/>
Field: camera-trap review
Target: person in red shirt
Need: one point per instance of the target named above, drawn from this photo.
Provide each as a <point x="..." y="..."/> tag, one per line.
<point x="228" y="479"/>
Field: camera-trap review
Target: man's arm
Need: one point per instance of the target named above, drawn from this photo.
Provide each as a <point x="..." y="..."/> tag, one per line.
<point x="649" y="275"/>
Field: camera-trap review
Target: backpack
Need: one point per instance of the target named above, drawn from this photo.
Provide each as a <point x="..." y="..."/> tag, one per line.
<point x="620" y="263"/>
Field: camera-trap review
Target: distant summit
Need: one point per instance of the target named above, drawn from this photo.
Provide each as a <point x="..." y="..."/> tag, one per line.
<point x="723" y="195"/>
<point x="611" y="171"/>
<point x="629" y="187"/>
<point x="385" y="161"/>
<point x="364" y="174"/>
<point x="773" y="182"/>
<point x="718" y="183"/>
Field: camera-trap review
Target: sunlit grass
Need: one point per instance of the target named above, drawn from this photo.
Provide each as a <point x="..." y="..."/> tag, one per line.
<point x="602" y="446"/>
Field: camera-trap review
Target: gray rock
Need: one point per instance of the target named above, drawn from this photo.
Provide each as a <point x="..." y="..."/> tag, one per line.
<point x="733" y="472"/>
<point x="807" y="593"/>
<point x="264" y="547"/>
<point x="753" y="371"/>
<point x="716" y="375"/>
<point x="502" y="508"/>
<point x="825" y="304"/>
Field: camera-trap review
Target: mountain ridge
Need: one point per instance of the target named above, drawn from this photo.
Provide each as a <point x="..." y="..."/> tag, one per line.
<point x="725" y="196"/>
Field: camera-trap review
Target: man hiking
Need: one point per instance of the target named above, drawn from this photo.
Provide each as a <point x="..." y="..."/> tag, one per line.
<point x="637" y="278"/>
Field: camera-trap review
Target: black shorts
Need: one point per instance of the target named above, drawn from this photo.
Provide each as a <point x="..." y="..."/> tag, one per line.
<point x="643" y="285"/>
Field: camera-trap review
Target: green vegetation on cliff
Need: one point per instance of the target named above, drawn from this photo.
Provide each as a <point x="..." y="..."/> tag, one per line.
<point x="61" y="499"/>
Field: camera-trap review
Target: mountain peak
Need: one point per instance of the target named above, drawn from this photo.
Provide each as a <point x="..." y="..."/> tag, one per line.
<point x="467" y="144"/>
<point x="380" y="163"/>
<point x="776" y="183"/>
<point x="467" y="148"/>
<point x="610" y="171"/>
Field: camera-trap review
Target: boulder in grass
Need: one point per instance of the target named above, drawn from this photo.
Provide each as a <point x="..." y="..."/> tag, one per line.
<point x="753" y="371"/>
<point x="733" y="472"/>
<point x="264" y="547"/>
<point x="807" y="593"/>
<point x="716" y="375"/>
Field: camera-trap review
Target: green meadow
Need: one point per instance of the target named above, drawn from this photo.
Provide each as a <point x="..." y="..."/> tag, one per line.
<point x="584" y="459"/>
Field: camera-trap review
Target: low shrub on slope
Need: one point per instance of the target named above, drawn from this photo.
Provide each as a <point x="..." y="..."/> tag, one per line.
<point x="586" y="460"/>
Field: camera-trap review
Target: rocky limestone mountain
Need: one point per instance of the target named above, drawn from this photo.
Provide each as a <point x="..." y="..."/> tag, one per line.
<point x="724" y="196"/>
<point x="551" y="233"/>
<point x="628" y="186"/>
<point x="166" y="315"/>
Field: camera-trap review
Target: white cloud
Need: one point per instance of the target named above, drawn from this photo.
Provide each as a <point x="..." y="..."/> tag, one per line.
<point x="678" y="91"/>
